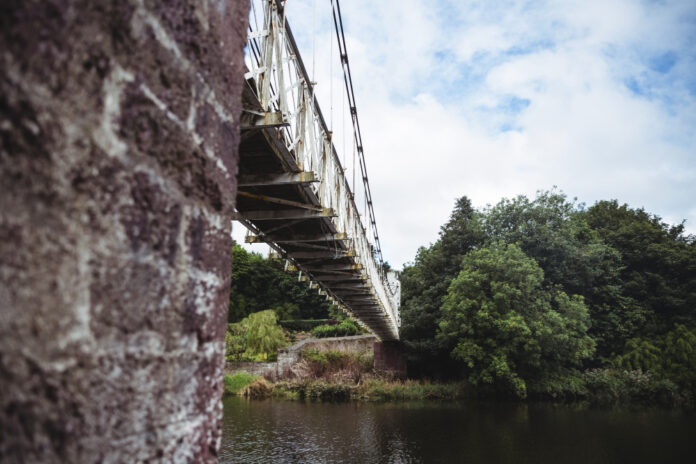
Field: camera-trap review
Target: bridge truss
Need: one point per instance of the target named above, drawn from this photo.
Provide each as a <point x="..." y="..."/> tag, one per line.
<point x="293" y="193"/>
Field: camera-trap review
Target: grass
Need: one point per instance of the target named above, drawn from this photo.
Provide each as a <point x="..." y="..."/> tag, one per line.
<point x="408" y="390"/>
<point x="234" y="383"/>
<point x="370" y="390"/>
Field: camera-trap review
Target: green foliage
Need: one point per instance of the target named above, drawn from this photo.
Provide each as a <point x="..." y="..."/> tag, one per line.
<point x="658" y="266"/>
<point x="505" y="326"/>
<point x="424" y="285"/>
<point x="640" y="355"/>
<point x="679" y="356"/>
<point x="235" y="341"/>
<point x="263" y="336"/>
<point x="255" y="338"/>
<point x="672" y="356"/>
<point x="320" y="390"/>
<point x="345" y="328"/>
<point x="557" y="234"/>
<point x="409" y="390"/>
<point x="373" y="389"/>
<point x="330" y="364"/>
<point x="607" y="387"/>
<point x="237" y="381"/>
<point x="287" y="311"/>
<point x="302" y="325"/>
<point x="259" y="284"/>
<point x="259" y="388"/>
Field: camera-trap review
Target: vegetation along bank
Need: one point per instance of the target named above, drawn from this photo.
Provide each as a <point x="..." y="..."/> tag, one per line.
<point x="537" y="298"/>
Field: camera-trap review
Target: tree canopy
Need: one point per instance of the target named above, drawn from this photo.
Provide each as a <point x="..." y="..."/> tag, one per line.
<point x="533" y="289"/>
<point x="259" y="283"/>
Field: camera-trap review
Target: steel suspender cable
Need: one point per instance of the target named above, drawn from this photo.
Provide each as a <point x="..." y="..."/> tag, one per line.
<point x="348" y="81"/>
<point x="331" y="128"/>
<point x="314" y="39"/>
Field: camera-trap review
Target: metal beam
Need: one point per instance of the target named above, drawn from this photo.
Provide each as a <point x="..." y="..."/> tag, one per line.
<point x="297" y="238"/>
<point x="334" y="267"/>
<point x="280" y="201"/>
<point x="271" y="215"/>
<point x="344" y="295"/>
<point x="320" y="254"/>
<point x="326" y="271"/>
<point x="356" y="286"/>
<point x="265" y="120"/>
<point x="253" y="180"/>
<point x="341" y="278"/>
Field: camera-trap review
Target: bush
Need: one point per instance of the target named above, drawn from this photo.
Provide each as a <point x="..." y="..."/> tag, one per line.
<point x="325" y="391"/>
<point x="305" y="325"/>
<point x="608" y="387"/>
<point x="673" y="356"/>
<point x="255" y="338"/>
<point x="409" y="390"/>
<point x="344" y="329"/>
<point x="257" y="389"/>
<point x="337" y="365"/>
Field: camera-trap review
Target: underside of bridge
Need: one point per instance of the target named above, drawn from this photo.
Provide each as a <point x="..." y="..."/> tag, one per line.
<point x="277" y="201"/>
<point x="292" y="189"/>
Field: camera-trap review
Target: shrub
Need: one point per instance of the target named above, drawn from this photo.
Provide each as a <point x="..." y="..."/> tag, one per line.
<point x="607" y="387"/>
<point x="324" y="391"/>
<point x="337" y="365"/>
<point x="409" y="390"/>
<point x="255" y="338"/>
<point x="235" y="342"/>
<point x="263" y="335"/>
<point x="305" y="325"/>
<point x="257" y="389"/>
<point x="342" y="329"/>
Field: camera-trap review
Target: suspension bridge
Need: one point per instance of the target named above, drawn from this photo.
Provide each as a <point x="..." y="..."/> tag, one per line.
<point x="294" y="194"/>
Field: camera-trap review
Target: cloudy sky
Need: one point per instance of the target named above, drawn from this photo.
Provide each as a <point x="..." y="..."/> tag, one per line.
<point x="493" y="99"/>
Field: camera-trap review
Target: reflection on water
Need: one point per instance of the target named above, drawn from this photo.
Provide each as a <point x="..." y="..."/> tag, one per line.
<point x="297" y="432"/>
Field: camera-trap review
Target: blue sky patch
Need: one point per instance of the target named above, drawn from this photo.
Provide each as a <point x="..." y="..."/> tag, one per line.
<point x="663" y="63"/>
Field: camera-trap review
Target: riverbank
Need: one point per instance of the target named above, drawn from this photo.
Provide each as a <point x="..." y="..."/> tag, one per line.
<point x="373" y="389"/>
<point x="321" y="372"/>
<point x="608" y="389"/>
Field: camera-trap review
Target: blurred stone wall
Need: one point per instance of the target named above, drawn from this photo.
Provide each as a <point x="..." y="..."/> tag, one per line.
<point x="119" y="127"/>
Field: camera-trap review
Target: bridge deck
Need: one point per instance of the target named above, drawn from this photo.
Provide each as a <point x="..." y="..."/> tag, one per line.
<point x="268" y="202"/>
<point x="292" y="191"/>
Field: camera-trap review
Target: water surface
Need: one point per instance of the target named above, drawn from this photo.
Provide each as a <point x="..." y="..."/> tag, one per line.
<point x="297" y="432"/>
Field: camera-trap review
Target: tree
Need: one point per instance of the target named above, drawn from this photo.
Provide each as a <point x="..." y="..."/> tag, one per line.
<point x="424" y="285"/>
<point x="506" y="326"/>
<point x="264" y="336"/>
<point x="235" y="341"/>
<point x="259" y="283"/>
<point x="557" y="234"/>
<point x="658" y="265"/>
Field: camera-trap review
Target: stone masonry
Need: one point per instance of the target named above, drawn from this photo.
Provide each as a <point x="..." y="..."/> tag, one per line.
<point x="119" y="128"/>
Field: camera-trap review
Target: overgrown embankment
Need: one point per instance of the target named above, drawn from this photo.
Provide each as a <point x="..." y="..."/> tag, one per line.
<point x="331" y="375"/>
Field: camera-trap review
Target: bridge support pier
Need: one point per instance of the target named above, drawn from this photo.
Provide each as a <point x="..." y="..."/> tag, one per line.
<point x="119" y="128"/>
<point x="390" y="358"/>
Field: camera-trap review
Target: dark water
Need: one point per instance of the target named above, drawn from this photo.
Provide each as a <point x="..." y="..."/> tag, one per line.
<point x="296" y="432"/>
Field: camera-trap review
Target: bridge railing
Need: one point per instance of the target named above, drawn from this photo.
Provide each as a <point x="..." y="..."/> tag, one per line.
<point x="287" y="98"/>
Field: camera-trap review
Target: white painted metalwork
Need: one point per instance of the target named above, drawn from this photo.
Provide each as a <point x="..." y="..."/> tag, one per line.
<point x="282" y="85"/>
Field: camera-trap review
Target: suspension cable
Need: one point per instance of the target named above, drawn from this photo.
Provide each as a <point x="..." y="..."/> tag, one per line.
<point x="331" y="41"/>
<point x="348" y="81"/>
<point x="314" y="39"/>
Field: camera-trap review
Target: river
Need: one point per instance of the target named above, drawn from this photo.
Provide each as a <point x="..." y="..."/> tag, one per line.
<point x="431" y="432"/>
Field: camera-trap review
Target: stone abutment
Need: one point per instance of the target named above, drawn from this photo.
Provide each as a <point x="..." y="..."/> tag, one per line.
<point x="119" y="129"/>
